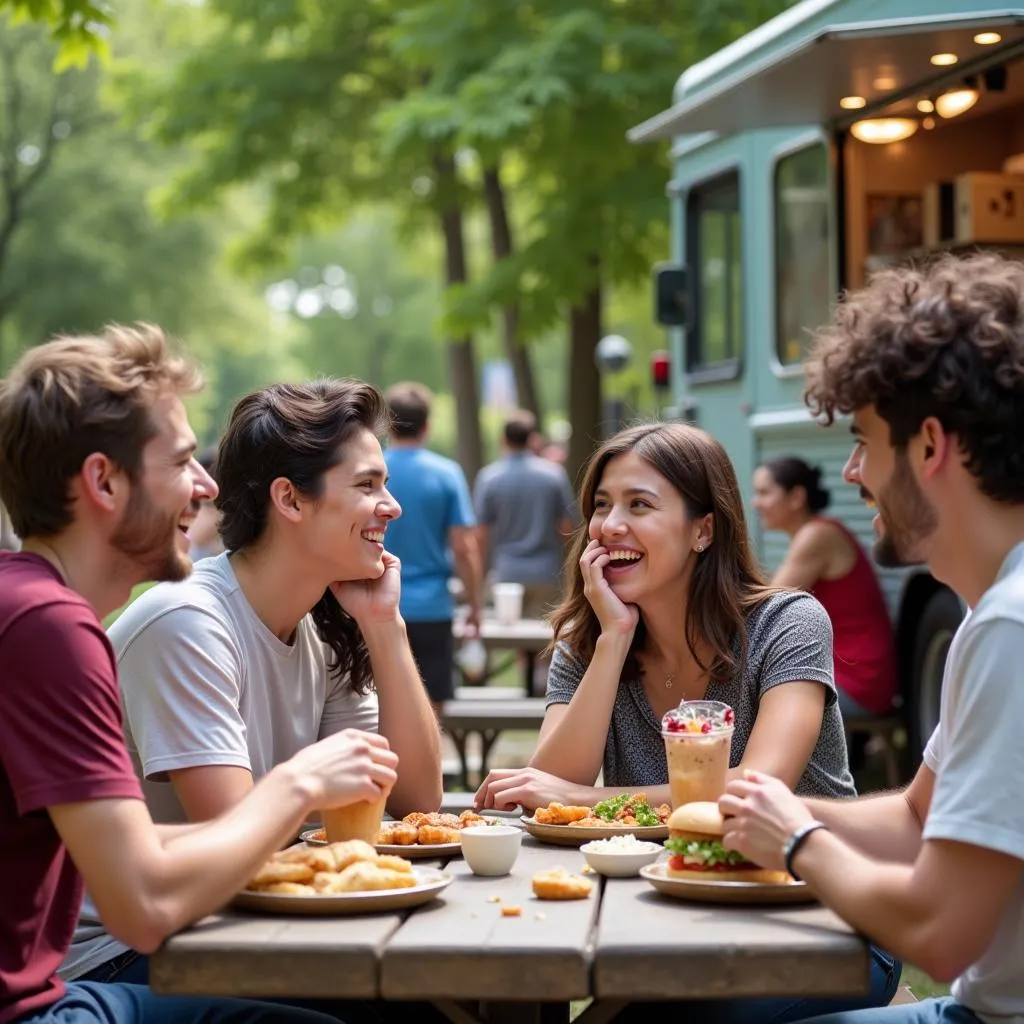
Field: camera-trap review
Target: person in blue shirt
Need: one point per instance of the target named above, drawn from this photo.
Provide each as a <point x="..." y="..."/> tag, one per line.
<point x="435" y="536"/>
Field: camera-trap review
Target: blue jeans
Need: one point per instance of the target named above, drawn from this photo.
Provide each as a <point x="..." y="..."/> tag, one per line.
<point x="931" y="1011"/>
<point x="885" y="979"/>
<point x="133" y="968"/>
<point x="91" y="1003"/>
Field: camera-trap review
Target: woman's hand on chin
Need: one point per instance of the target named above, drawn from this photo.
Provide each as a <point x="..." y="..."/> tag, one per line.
<point x="506" y="788"/>
<point x="616" y="617"/>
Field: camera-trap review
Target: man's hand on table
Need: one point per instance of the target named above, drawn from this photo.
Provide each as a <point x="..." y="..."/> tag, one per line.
<point x="506" y="788"/>
<point x="760" y="814"/>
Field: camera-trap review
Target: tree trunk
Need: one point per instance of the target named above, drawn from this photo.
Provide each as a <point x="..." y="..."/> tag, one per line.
<point x="517" y="353"/>
<point x="461" y="358"/>
<point x="584" y="380"/>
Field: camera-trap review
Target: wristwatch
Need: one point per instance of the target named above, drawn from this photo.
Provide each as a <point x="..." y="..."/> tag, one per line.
<point x="795" y="840"/>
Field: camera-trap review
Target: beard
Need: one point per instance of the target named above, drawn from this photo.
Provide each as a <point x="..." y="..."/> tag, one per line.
<point x="907" y="518"/>
<point x="149" y="537"/>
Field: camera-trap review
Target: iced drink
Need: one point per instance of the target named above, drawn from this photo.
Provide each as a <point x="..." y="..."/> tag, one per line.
<point x="356" y="821"/>
<point x="698" y="737"/>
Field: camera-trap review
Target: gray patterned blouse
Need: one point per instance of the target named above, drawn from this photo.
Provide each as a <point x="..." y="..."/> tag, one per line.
<point x="789" y="639"/>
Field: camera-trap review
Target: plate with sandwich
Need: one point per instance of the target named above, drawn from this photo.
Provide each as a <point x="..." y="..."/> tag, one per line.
<point x="700" y="868"/>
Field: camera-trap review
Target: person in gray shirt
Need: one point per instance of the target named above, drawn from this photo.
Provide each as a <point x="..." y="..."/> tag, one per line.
<point x="525" y="508"/>
<point x="669" y="604"/>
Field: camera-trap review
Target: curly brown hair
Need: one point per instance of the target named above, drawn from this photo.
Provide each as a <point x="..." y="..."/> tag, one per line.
<point x="727" y="583"/>
<point x="945" y="340"/>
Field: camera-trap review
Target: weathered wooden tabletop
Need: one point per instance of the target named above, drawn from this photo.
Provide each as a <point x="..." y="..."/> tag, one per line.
<point x="625" y="943"/>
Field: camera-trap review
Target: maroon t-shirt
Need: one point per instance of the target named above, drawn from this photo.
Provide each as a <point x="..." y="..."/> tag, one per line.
<point x="61" y="741"/>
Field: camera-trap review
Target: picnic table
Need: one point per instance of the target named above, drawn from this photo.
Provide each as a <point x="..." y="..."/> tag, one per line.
<point x="527" y="637"/>
<point x="625" y="943"/>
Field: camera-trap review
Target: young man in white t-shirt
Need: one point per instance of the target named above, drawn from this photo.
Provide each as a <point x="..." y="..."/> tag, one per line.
<point x="292" y="635"/>
<point x="930" y="363"/>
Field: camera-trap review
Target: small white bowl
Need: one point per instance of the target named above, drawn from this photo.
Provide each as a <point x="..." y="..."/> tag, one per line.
<point x="620" y="863"/>
<point x="491" y="849"/>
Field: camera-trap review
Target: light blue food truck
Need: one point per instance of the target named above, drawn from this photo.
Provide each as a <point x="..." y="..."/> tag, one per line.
<point x="836" y="138"/>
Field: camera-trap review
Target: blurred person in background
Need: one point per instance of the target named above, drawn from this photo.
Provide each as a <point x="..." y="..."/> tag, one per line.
<point x="526" y="509"/>
<point x="203" y="536"/>
<point x="435" y="536"/>
<point x="826" y="559"/>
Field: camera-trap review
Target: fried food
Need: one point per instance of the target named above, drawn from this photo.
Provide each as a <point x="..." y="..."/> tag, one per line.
<point x="391" y="863"/>
<point x="319" y="858"/>
<point x="415" y="818"/>
<point x="400" y="833"/>
<point x="435" y="835"/>
<point x="349" y="852"/>
<point x="353" y="866"/>
<point x="468" y="818"/>
<point x="277" y="871"/>
<point x="558" y="884"/>
<point x="561" y="814"/>
<point x="366" y="876"/>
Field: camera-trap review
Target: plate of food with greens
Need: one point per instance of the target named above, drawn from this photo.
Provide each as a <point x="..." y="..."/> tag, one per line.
<point x="573" y="825"/>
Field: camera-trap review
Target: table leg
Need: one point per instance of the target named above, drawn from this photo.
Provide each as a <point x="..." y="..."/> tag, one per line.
<point x="459" y="737"/>
<point x="488" y="737"/>
<point x="531" y="665"/>
<point x="525" y="1013"/>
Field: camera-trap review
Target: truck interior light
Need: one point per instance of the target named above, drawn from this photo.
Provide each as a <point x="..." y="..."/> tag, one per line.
<point x="925" y="106"/>
<point x="956" y="101"/>
<point x="944" y="60"/>
<point x="988" y="38"/>
<point x="852" y="102"/>
<point x="881" y="130"/>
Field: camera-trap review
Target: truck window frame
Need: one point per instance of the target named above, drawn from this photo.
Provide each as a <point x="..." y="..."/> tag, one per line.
<point x="794" y="147"/>
<point x="697" y="368"/>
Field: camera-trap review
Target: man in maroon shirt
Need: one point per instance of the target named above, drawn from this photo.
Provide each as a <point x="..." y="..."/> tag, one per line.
<point x="97" y="471"/>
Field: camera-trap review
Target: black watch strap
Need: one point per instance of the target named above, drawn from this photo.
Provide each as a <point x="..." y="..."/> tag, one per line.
<point x="795" y="840"/>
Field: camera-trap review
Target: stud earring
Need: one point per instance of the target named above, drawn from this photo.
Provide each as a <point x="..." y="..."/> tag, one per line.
<point x="700" y="549"/>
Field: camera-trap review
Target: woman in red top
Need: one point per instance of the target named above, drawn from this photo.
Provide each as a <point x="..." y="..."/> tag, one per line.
<point x="826" y="559"/>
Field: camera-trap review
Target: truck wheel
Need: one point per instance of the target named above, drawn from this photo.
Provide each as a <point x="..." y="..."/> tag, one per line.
<point x="939" y="621"/>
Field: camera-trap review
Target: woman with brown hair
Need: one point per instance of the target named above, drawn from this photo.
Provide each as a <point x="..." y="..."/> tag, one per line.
<point x="668" y="604"/>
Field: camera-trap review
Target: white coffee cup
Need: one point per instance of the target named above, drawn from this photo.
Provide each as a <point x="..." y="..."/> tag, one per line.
<point x="491" y="849"/>
<point x="508" y="602"/>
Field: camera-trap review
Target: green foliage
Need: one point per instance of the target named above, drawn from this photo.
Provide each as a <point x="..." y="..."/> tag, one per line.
<point x="79" y="27"/>
<point x="80" y="242"/>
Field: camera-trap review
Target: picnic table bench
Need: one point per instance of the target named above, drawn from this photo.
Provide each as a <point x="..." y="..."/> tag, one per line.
<point x="527" y="637"/>
<point x="488" y="716"/>
<point x="625" y="943"/>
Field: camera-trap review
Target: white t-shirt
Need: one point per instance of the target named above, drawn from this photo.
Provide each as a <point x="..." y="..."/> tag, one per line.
<point x="205" y="682"/>
<point x="977" y="756"/>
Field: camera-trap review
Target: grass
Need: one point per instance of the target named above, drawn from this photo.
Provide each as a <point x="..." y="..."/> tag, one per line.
<point x="921" y="985"/>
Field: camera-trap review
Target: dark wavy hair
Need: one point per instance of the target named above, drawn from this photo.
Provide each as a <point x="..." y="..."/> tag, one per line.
<point x="789" y="472"/>
<point x="944" y="341"/>
<point x="727" y="581"/>
<point x="296" y="431"/>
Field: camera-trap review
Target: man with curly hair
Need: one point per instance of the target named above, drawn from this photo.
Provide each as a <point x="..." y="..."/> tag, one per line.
<point x="930" y="365"/>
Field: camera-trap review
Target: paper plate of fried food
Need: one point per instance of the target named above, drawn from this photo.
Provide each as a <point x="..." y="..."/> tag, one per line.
<point x="418" y="835"/>
<point x="339" y="878"/>
<point x="568" y="825"/>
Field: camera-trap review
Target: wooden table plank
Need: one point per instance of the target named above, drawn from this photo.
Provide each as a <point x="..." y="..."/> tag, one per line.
<point x="460" y="947"/>
<point x="651" y="946"/>
<point x="243" y="953"/>
<point x="236" y="954"/>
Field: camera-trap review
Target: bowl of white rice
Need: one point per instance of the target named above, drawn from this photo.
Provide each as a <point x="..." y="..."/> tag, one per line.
<point x="620" y="856"/>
